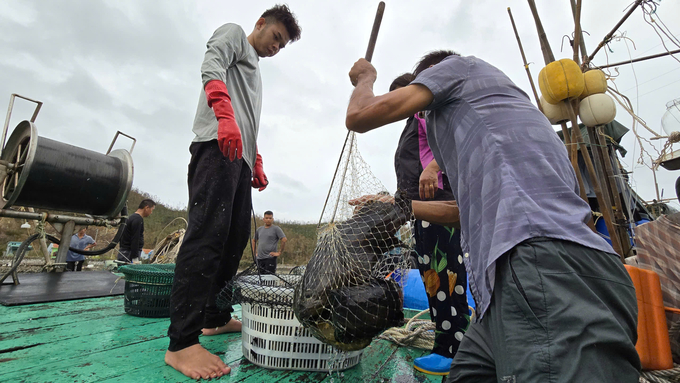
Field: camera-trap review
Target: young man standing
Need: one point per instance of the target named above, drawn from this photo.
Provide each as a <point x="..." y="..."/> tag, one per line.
<point x="225" y="163"/>
<point x="268" y="236"/>
<point x="81" y="241"/>
<point x="554" y="301"/>
<point x="132" y="240"/>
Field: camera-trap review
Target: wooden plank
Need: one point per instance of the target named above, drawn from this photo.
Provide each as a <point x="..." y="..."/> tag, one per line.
<point x="99" y="343"/>
<point x="20" y="313"/>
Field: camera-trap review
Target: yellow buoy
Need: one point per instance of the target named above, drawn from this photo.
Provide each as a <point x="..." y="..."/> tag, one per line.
<point x="594" y="82"/>
<point x="560" y="80"/>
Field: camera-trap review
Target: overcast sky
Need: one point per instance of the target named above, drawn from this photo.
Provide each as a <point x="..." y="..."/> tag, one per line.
<point x="134" y="66"/>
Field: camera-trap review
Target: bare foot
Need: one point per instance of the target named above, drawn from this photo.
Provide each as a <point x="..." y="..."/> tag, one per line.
<point x="196" y="362"/>
<point x="232" y="326"/>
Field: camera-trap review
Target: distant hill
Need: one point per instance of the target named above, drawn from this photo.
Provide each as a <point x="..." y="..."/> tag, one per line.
<point x="300" y="246"/>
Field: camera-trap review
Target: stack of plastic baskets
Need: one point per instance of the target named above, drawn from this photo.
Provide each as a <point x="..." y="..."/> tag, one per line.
<point x="273" y="338"/>
<point x="147" y="289"/>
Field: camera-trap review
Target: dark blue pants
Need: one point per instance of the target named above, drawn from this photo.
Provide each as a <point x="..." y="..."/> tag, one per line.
<point x="218" y="232"/>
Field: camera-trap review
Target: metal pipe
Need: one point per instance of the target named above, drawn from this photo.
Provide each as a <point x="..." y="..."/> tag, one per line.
<point x="641" y="59"/>
<point x="66" y="232"/>
<point x="9" y="115"/>
<point x="57" y="218"/>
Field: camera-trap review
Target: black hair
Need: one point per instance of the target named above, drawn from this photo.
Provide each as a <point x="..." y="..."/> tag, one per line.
<point x="146" y="203"/>
<point x="401" y="81"/>
<point x="283" y="15"/>
<point x="269" y="212"/>
<point x="432" y="58"/>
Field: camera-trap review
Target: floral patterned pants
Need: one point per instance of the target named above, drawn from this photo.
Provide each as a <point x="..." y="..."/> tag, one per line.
<point x="440" y="262"/>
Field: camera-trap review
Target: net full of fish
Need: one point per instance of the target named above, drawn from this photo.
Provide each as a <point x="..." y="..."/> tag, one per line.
<point x="344" y="298"/>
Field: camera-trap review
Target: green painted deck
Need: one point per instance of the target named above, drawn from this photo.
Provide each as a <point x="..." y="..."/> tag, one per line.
<point x="93" y="340"/>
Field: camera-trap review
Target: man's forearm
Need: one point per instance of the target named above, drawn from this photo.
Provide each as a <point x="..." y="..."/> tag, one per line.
<point x="283" y="246"/>
<point x="443" y="213"/>
<point x="361" y="99"/>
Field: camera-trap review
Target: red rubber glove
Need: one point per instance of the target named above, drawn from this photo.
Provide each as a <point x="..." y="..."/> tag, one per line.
<point x="228" y="132"/>
<point x="260" y="180"/>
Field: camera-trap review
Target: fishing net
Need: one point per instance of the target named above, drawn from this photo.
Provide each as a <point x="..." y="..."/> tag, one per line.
<point x="343" y="296"/>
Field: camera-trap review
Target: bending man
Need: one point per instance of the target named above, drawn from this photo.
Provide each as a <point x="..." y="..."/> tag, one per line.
<point x="554" y="301"/>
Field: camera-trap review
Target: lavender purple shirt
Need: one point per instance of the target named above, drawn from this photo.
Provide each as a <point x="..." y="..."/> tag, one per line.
<point x="507" y="167"/>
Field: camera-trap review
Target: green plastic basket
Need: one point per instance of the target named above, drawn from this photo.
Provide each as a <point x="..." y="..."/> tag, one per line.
<point x="147" y="289"/>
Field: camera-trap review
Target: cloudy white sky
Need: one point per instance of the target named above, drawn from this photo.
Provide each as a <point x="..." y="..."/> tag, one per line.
<point x="133" y="66"/>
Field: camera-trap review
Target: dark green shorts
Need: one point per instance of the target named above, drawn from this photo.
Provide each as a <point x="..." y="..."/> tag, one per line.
<point x="560" y="312"/>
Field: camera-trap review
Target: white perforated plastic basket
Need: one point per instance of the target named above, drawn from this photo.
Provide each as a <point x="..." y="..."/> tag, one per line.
<point x="273" y="338"/>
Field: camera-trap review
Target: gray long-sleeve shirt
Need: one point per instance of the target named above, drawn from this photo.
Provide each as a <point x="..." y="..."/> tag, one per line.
<point x="231" y="59"/>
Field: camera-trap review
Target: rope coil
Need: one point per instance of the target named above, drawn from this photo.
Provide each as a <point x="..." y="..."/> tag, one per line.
<point x="674" y="137"/>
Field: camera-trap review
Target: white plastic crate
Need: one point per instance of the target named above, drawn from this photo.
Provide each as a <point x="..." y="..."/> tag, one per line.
<point x="273" y="338"/>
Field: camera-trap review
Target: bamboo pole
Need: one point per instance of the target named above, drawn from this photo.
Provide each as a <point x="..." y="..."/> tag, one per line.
<point x="577" y="30"/>
<point x="582" y="43"/>
<point x="524" y="60"/>
<point x="542" y="37"/>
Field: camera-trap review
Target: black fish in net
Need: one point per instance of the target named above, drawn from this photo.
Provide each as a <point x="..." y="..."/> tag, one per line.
<point x="349" y="258"/>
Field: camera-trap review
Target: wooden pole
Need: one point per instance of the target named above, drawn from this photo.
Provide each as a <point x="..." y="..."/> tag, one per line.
<point x="524" y="60"/>
<point x="542" y="37"/>
<point x="610" y="34"/>
<point x="369" y="56"/>
<point x="641" y="59"/>
<point x="582" y="44"/>
<point x="577" y="30"/>
<point x="609" y="197"/>
<point x="605" y="207"/>
<point x="621" y="221"/>
<point x="548" y="57"/>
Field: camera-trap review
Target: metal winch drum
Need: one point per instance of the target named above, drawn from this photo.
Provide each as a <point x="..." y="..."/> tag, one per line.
<point x="51" y="175"/>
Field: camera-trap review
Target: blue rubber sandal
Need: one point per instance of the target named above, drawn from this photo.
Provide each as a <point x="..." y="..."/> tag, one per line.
<point x="433" y="364"/>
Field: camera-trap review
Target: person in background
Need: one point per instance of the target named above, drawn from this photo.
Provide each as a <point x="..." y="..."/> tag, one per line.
<point x="268" y="237"/>
<point x="80" y="241"/>
<point x="440" y="258"/>
<point x="132" y="240"/>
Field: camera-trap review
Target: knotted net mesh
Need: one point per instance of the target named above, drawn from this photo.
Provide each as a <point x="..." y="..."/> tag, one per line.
<point x="344" y="295"/>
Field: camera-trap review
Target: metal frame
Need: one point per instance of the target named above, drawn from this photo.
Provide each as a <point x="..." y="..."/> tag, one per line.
<point x="9" y="115"/>
<point x="119" y="133"/>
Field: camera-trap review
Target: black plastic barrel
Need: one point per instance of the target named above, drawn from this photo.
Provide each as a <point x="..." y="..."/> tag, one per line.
<point x="56" y="176"/>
